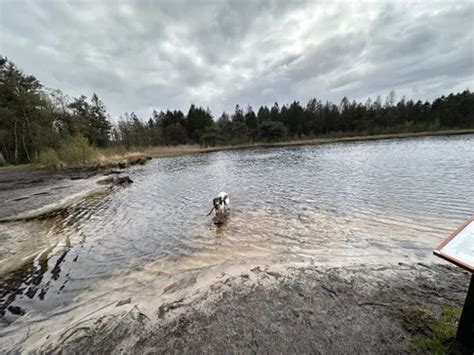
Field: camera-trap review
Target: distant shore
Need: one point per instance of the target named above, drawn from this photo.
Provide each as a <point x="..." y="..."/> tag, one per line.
<point x="162" y="152"/>
<point x="328" y="140"/>
<point x="171" y="151"/>
<point x="118" y="158"/>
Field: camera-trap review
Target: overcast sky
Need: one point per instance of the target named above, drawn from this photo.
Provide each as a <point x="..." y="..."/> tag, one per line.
<point x="140" y="55"/>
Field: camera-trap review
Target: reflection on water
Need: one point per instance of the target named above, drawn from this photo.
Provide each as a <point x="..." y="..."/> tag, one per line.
<point x="384" y="200"/>
<point x="33" y="279"/>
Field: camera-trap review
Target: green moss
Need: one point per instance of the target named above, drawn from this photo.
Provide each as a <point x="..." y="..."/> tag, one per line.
<point x="424" y="345"/>
<point x="432" y="334"/>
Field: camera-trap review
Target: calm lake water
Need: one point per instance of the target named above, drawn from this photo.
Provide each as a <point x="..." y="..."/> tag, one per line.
<point x="380" y="201"/>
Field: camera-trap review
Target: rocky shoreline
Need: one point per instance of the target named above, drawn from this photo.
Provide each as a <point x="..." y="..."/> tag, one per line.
<point x="276" y="309"/>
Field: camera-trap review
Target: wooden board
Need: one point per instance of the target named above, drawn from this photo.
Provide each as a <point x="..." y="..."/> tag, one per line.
<point x="458" y="248"/>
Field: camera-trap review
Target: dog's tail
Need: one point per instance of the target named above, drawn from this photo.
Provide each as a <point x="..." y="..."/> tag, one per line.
<point x="212" y="209"/>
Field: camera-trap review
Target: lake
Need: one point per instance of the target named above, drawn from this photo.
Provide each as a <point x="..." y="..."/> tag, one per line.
<point x="386" y="201"/>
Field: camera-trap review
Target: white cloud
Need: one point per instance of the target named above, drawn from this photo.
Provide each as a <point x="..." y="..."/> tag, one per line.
<point x="141" y="54"/>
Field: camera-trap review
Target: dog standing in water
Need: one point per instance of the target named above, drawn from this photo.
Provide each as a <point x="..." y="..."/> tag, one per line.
<point x="221" y="208"/>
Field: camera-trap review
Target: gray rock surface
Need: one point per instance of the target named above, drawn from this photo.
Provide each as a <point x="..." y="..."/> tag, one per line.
<point x="302" y="310"/>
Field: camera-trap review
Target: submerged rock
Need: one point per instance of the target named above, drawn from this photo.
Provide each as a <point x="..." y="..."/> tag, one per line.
<point x="113" y="172"/>
<point x="123" y="302"/>
<point x="123" y="180"/>
<point x="116" y="180"/>
<point x="18" y="311"/>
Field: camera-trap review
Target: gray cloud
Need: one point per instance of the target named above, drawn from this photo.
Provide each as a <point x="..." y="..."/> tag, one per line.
<point x="139" y="55"/>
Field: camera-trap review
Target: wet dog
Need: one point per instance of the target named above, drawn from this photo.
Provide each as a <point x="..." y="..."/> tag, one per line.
<point x="221" y="207"/>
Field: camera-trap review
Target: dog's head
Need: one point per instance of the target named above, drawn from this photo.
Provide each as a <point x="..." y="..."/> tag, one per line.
<point x="221" y="202"/>
<point x="217" y="202"/>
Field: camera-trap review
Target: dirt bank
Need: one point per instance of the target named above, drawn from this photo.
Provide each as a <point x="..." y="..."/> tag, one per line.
<point x="277" y="309"/>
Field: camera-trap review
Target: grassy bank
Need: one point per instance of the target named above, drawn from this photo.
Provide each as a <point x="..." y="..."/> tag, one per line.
<point x="78" y="154"/>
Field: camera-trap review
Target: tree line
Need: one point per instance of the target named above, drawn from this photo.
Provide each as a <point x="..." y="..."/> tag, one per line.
<point x="33" y="119"/>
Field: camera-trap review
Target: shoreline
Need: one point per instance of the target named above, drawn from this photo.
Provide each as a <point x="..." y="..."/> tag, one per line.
<point x="166" y="152"/>
<point x="259" y="308"/>
<point x="320" y="141"/>
<point x="134" y="157"/>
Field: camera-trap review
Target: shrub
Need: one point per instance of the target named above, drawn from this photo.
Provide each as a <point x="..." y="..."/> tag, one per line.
<point x="77" y="152"/>
<point x="49" y="158"/>
<point x="113" y="151"/>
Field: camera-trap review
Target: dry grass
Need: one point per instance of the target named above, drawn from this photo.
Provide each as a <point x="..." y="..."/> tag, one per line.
<point x="119" y="156"/>
<point x="157" y="152"/>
